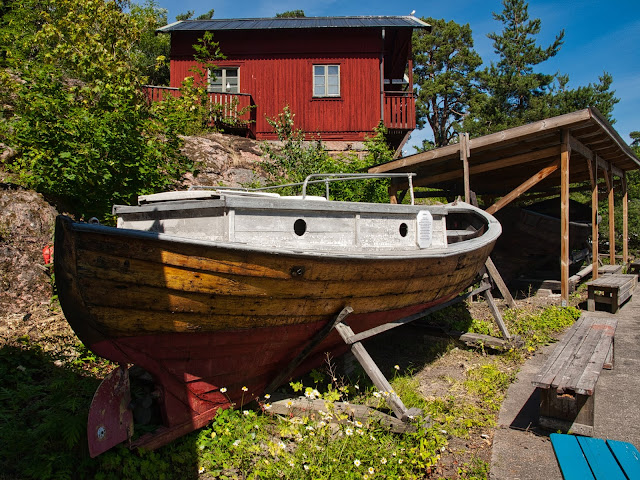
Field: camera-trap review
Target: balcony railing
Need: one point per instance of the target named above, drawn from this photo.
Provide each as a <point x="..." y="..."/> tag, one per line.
<point x="399" y="110"/>
<point x="234" y="110"/>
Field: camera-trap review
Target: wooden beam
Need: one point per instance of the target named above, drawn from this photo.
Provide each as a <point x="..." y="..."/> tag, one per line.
<point x="464" y="156"/>
<point x="523" y="187"/>
<point x="625" y="222"/>
<point x="527" y="157"/>
<point x="612" y="223"/>
<point x="579" y="147"/>
<point x="564" y="217"/>
<point x="393" y="193"/>
<point x="594" y="218"/>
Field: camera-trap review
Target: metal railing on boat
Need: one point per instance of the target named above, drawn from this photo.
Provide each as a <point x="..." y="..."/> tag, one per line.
<point x="325" y="178"/>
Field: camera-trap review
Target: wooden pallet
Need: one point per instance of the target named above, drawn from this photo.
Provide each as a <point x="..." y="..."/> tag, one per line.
<point x="583" y="458"/>
<point x="567" y="381"/>
<point x="612" y="290"/>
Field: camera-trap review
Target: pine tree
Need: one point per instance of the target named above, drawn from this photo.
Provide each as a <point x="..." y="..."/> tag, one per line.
<point x="444" y="70"/>
<point x="511" y="91"/>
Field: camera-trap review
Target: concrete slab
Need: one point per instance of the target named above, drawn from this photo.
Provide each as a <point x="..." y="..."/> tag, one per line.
<point x="523" y="451"/>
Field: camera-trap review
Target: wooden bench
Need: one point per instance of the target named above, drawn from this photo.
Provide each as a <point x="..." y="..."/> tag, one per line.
<point x="614" y="291"/>
<point x="609" y="269"/>
<point x="584" y="458"/>
<point x="567" y="381"/>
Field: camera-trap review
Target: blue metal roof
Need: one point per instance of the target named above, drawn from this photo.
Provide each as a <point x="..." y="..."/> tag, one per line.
<point x="294" y="23"/>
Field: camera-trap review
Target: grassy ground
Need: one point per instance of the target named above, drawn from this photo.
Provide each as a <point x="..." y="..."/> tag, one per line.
<point x="48" y="379"/>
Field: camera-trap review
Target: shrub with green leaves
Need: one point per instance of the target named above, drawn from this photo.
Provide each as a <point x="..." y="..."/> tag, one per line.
<point x="82" y="130"/>
<point x="295" y="159"/>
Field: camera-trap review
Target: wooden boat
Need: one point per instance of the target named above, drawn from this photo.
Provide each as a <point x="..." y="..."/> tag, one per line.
<point x="214" y="292"/>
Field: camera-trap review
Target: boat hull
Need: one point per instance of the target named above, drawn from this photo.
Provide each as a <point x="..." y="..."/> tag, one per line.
<point x="206" y="320"/>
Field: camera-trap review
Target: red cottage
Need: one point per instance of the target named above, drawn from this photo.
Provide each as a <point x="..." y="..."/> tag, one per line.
<point x="340" y="76"/>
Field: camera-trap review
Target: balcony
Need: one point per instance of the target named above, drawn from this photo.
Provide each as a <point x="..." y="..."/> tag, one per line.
<point x="399" y="111"/>
<point x="234" y="111"/>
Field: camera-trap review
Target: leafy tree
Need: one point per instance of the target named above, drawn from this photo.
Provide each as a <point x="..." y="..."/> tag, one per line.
<point x="512" y="92"/>
<point x="151" y="51"/>
<point x="82" y="129"/>
<point x="444" y="70"/>
<point x="291" y="14"/>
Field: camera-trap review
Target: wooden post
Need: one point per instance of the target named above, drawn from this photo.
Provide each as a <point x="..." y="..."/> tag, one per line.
<point x="612" y="223"/>
<point x="594" y="218"/>
<point x="625" y="220"/>
<point x="565" y="154"/>
<point x="393" y="193"/>
<point x="464" y="156"/>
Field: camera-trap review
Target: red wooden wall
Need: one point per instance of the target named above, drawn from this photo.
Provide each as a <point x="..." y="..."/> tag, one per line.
<point x="275" y="68"/>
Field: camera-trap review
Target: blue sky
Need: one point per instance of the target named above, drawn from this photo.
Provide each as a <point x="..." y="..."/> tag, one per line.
<point x="599" y="35"/>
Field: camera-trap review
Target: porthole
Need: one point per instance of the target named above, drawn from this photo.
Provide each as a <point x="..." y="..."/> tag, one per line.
<point x="404" y="229"/>
<point x="300" y="226"/>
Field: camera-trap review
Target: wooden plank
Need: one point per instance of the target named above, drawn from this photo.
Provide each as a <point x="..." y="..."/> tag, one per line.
<point x="571" y="460"/>
<point x="627" y="456"/>
<point x="625" y="220"/>
<point x="524" y="186"/>
<point x="302" y="406"/>
<point x="612" y="224"/>
<point x="374" y="373"/>
<point x="496" y="314"/>
<point x="495" y="275"/>
<point x="464" y="156"/>
<point x="563" y="351"/>
<point x="594" y="219"/>
<point x="564" y="217"/>
<point x="586" y="382"/>
<point x="576" y="367"/>
<point x="601" y="461"/>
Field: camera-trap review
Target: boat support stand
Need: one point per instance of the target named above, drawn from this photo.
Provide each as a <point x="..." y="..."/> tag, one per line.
<point x="377" y="377"/>
<point x="368" y="364"/>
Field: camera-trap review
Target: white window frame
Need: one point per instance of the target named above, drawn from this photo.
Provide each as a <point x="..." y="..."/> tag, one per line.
<point x="222" y="79"/>
<point x="325" y="84"/>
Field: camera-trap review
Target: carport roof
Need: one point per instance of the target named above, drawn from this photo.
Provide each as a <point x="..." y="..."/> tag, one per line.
<point x="501" y="161"/>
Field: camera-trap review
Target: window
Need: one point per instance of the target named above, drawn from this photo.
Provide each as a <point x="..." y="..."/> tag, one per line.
<point x="326" y="80"/>
<point x="224" y="80"/>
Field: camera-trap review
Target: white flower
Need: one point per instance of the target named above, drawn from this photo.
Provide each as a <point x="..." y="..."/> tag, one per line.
<point x="223" y="389"/>
<point x="443" y="431"/>
<point x="289" y="403"/>
<point x="245" y="389"/>
<point x="356" y="462"/>
<point x="376" y="394"/>
<point x="309" y="427"/>
<point x="291" y="464"/>
<point x="349" y="432"/>
<point x="357" y="387"/>
<point x="246" y="412"/>
<point x="267" y="406"/>
<point x="201" y="470"/>
<point x="383" y="461"/>
<point x="371" y="471"/>
<point x="400" y="461"/>
<point x="236" y="443"/>
<point x="359" y="432"/>
<point x="321" y="423"/>
<point x="358" y="423"/>
<point x="281" y="445"/>
<point x="306" y="467"/>
<point x="267" y="396"/>
<point x="397" y="367"/>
